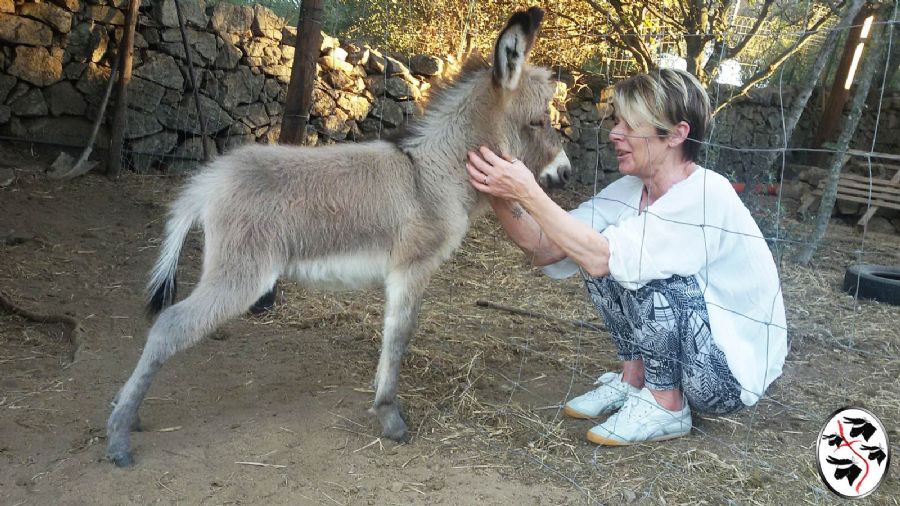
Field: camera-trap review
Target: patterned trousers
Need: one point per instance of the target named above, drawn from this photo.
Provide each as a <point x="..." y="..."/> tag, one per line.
<point x="665" y="324"/>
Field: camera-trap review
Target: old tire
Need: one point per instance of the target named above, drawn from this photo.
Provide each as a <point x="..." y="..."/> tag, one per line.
<point x="877" y="282"/>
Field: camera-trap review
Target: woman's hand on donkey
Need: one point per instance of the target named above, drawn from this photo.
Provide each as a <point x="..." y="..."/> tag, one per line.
<point x="503" y="177"/>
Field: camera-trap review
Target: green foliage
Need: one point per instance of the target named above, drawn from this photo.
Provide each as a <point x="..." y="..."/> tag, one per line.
<point x="456" y="27"/>
<point x="589" y="35"/>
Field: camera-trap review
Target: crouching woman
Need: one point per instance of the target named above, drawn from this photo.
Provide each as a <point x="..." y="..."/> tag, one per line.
<point x="670" y="257"/>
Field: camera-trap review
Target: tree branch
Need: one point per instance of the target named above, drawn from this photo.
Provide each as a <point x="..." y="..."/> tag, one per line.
<point x="770" y="69"/>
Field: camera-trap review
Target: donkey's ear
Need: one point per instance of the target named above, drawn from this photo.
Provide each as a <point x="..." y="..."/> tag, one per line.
<point x="513" y="46"/>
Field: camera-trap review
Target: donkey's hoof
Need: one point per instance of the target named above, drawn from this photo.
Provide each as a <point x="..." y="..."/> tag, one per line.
<point x="398" y="436"/>
<point x="122" y="459"/>
<point x="392" y="424"/>
<point x="396" y="431"/>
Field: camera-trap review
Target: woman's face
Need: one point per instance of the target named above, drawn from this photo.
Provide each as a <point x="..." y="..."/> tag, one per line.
<point x="639" y="150"/>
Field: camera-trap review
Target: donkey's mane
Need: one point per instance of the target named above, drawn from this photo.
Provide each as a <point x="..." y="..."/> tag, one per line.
<point x="441" y="93"/>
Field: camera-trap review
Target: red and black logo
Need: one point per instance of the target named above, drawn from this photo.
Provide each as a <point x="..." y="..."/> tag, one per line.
<point x="853" y="453"/>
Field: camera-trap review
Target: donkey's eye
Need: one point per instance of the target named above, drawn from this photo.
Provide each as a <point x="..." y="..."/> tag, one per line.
<point x="538" y="123"/>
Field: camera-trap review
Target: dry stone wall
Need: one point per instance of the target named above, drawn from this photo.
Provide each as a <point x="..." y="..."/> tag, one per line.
<point x="55" y="61"/>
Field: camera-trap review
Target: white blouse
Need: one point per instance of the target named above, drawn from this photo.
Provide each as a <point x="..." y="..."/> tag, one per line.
<point x="698" y="228"/>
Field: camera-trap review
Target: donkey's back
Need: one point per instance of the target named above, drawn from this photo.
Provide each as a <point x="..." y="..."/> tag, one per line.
<point x="307" y="201"/>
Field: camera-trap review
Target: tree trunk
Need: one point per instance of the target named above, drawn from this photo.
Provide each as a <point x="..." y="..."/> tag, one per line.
<point x="694" y="58"/>
<point x="303" y="73"/>
<point x="837" y="97"/>
<point x="802" y="99"/>
<point x="126" y="50"/>
<point x="872" y="62"/>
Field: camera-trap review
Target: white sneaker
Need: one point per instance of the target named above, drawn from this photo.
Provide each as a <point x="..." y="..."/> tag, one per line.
<point x="608" y="397"/>
<point x="642" y="419"/>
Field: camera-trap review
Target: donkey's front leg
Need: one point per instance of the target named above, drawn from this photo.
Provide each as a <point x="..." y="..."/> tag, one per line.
<point x="403" y="294"/>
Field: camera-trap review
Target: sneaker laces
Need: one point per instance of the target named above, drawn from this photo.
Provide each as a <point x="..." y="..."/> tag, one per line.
<point x="611" y="381"/>
<point x="634" y="408"/>
<point x="607" y="378"/>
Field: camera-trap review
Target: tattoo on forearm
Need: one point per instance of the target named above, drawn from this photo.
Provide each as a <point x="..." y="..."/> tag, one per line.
<point x="517" y="211"/>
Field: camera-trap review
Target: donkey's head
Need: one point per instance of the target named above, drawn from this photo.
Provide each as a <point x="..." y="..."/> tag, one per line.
<point x="520" y="98"/>
<point x="505" y="106"/>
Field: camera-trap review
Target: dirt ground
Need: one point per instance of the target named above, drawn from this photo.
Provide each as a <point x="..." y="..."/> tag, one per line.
<point x="289" y="391"/>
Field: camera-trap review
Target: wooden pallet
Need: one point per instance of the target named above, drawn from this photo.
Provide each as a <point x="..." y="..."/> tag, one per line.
<point x="874" y="192"/>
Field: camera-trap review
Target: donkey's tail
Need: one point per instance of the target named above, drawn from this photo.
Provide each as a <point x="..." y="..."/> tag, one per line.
<point x="162" y="287"/>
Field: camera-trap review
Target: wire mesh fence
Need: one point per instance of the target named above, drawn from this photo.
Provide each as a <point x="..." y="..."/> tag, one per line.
<point x="844" y="350"/>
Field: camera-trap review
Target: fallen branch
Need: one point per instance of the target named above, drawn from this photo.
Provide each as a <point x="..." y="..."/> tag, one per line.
<point x="524" y="312"/>
<point x="73" y="326"/>
<point x="260" y="464"/>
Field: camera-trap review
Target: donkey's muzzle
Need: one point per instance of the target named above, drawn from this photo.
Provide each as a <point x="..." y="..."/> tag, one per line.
<point x="557" y="173"/>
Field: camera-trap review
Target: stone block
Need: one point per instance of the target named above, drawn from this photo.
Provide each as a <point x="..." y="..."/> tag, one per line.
<point x="282" y="73"/>
<point x="21" y="30"/>
<point x="202" y="44"/>
<point x="274" y="110"/>
<point x="323" y="102"/>
<point x="69" y="5"/>
<point x="93" y="82"/>
<point x="7" y="6"/>
<point x="193" y="11"/>
<point x="88" y="42"/>
<point x="63" y="98"/>
<point x="227" y="54"/>
<point x="157" y="144"/>
<point x="183" y="116"/>
<point x="7" y="83"/>
<point x="253" y="114"/>
<point x="287" y="54"/>
<point x="388" y="112"/>
<point x="230" y="18"/>
<point x="36" y="65"/>
<point x="188" y="157"/>
<point x="144" y="95"/>
<point x="356" y="106"/>
<point x="425" y="65"/>
<point x="266" y="23"/>
<point x="161" y="69"/>
<point x="106" y="15"/>
<point x="32" y="103"/>
<point x="59" y="19"/>
<point x="331" y="62"/>
<point x="5" y="114"/>
<point x="271" y="88"/>
<point x="334" y="125"/>
<point x="401" y="89"/>
<point x="140" y="124"/>
<point x="239" y="87"/>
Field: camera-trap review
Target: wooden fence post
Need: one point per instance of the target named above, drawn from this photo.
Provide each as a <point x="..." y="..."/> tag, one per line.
<point x="124" y="61"/>
<point x="303" y="73"/>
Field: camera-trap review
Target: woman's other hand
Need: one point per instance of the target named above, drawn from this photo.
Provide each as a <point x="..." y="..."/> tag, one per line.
<point x="502" y="177"/>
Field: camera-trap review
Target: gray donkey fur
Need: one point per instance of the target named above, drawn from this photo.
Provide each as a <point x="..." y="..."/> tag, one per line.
<point x="347" y="216"/>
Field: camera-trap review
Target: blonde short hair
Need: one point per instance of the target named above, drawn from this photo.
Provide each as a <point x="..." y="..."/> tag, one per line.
<point x="662" y="99"/>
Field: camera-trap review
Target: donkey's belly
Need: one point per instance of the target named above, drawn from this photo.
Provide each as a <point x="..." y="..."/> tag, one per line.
<point x="341" y="272"/>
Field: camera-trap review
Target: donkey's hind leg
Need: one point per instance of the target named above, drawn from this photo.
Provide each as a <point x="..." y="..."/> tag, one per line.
<point x="403" y="293"/>
<point x="215" y="299"/>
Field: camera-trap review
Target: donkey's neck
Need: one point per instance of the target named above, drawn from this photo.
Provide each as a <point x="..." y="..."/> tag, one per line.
<point x="456" y="122"/>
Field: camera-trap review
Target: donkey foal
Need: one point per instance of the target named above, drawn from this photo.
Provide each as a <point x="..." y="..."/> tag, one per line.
<point x="347" y="216"/>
